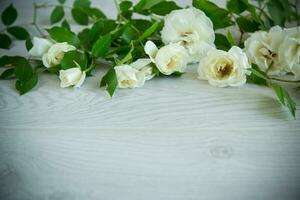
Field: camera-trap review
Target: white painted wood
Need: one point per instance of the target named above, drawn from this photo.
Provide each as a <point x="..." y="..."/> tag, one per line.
<point x="172" y="139"/>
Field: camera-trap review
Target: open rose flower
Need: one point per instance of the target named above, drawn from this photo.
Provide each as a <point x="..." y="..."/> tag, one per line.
<point x="168" y="59"/>
<point x="289" y="51"/>
<point x="135" y="74"/>
<point x="71" y="77"/>
<point x="223" y="68"/>
<point x="40" y="47"/>
<point x="262" y="49"/>
<point x="55" y="54"/>
<point x="191" y="28"/>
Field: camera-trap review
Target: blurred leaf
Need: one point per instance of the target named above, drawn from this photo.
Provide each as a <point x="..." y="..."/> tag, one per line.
<point x="110" y="81"/>
<point x="7" y="74"/>
<point x="284" y="98"/>
<point x="247" y="25"/>
<point x="237" y="6"/>
<point x="150" y="31"/>
<point x="102" y="45"/>
<point x="9" y="15"/>
<point x="18" y="32"/>
<point x="62" y="1"/>
<point x="66" y="25"/>
<point x="60" y="34"/>
<point x="5" y="41"/>
<point x="125" y="6"/>
<point x="129" y="34"/>
<point x="71" y="58"/>
<point x="219" y="16"/>
<point x="83" y="4"/>
<point x="164" y="7"/>
<point x="57" y="14"/>
<point x="28" y="43"/>
<point x="221" y="42"/>
<point x="80" y="16"/>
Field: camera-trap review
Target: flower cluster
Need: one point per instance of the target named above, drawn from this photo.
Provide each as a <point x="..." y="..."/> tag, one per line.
<point x="166" y="41"/>
<point x="188" y="36"/>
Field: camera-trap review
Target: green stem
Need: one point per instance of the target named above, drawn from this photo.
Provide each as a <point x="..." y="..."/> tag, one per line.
<point x="35" y="8"/>
<point x="287" y="81"/>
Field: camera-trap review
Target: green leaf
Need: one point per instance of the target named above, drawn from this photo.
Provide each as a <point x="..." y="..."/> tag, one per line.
<point x="129" y="34"/>
<point x="72" y="58"/>
<point x="102" y="45"/>
<point x="61" y="1"/>
<point x="7" y="74"/>
<point x="57" y="14"/>
<point x="164" y="7"/>
<point x="66" y="25"/>
<point x="221" y="42"/>
<point x="26" y="78"/>
<point x="28" y="43"/>
<point x="150" y="31"/>
<point x="110" y="81"/>
<point x="5" y="41"/>
<point x="18" y="32"/>
<point x="9" y="15"/>
<point x="83" y="4"/>
<point x="247" y="25"/>
<point x="128" y="56"/>
<point x="6" y="61"/>
<point x="125" y="6"/>
<point x="143" y="6"/>
<point x="23" y="69"/>
<point x="95" y="13"/>
<point x="237" y="6"/>
<point x="257" y="76"/>
<point x="80" y="16"/>
<point x="277" y="12"/>
<point x="219" y="16"/>
<point x="230" y="38"/>
<point x="61" y="34"/>
<point x="24" y="87"/>
<point x="284" y="98"/>
<point x="141" y="24"/>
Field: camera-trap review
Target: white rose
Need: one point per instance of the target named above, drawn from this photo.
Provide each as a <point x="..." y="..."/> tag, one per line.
<point x="289" y="51"/>
<point x="168" y="59"/>
<point x="56" y="53"/>
<point x="262" y="49"/>
<point x="40" y="47"/>
<point x="71" y="77"/>
<point x="135" y="74"/>
<point x="223" y="68"/>
<point x="190" y="28"/>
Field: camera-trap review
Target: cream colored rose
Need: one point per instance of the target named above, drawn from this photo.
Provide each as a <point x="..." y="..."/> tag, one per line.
<point x="262" y="49"/>
<point x="289" y="51"/>
<point x="71" y="77"/>
<point x="56" y="53"/>
<point x="191" y="28"/>
<point x="40" y="47"/>
<point x="168" y="59"/>
<point x="135" y="74"/>
<point x="223" y="68"/>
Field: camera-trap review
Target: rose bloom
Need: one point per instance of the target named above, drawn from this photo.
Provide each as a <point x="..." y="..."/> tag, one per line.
<point x="55" y="54"/>
<point x="40" y="47"/>
<point x="262" y="49"/>
<point x="135" y="74"/>
<point x="223" y="68"/>
<point x="289" y="51"/>
<point x="71" y="77"/>
<point x="168" y="59"/>
<point x="191" y="28"/>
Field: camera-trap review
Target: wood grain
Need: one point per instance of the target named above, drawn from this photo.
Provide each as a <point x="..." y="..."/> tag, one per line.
<point x="174" y="139"/>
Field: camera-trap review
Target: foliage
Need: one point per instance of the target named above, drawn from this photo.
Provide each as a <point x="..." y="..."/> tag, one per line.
<point x="122" y="40"/>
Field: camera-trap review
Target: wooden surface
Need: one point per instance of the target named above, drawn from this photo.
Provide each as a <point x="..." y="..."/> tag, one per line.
<point x="173" y="139"/>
